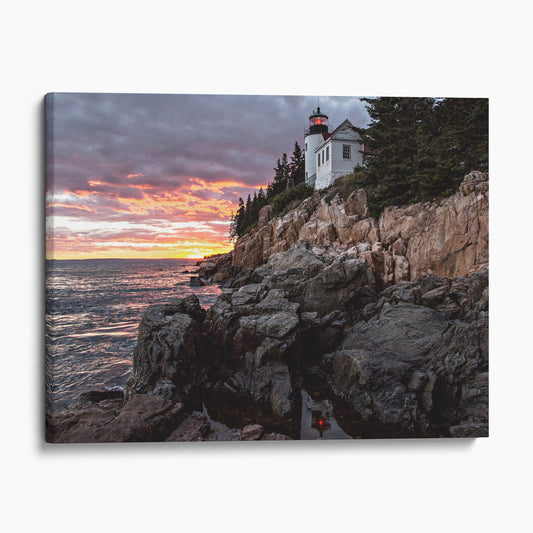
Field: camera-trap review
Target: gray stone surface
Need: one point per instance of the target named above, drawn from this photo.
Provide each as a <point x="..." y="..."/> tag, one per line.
<point x="172" y="354"/>
<point x="195" y="427"/>
<point x="413" y="368"/>
<point x="142" y="418"/>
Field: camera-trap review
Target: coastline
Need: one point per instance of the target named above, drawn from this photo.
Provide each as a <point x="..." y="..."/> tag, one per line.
<point x="93" y="310"/>
<point x="315" y="333"/>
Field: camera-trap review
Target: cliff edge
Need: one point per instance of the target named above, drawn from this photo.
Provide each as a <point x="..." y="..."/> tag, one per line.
<point x="448" y="238"/>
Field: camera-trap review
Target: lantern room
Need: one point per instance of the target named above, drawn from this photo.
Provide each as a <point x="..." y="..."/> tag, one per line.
<point x="318" y="123"/>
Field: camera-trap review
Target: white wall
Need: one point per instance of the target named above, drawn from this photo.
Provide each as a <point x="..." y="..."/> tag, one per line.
<point x="323" y="172"/>
<point x="346" y="165"/>
<point x="310" y="157"/>
<point x="337" y="166"/>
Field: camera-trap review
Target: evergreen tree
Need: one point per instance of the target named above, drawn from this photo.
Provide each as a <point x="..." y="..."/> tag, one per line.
<point x="236" y="226"/>
<point x="391" y="146"/>
<point x="281" y="173"/>
<point x="285" y="170"/>
<point x="421" y="148"/>
<point x="273" y="187"/>
<point x="453" y="144"/>
<point x="248" y="213"/>
<point x="254" y="213"/>
<point x="297" y="165"/>
<point x="232" y="232"/>
<point x="262" y="198"/>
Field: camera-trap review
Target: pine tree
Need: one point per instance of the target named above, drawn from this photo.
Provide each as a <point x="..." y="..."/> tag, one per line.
<point x="254" y="213"/>
<point x="391" y="147"/>
<point x="421" y="148"/>
<point x="281" y="172"/>
<point x="297" y="165"/>
<point x="285" y="169"/>
<point x="248" y="213"/>
<point x="452" y="144"/>
<point x="236" y="228"/>
<point x="262" y="198"/>
<point x="232" y="232"/>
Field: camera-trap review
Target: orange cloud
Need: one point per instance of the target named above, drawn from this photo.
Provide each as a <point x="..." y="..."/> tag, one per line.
<point x="189" y="221"/>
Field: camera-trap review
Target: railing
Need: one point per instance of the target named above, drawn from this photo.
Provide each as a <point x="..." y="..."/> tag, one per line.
<point x="308" y="129"/>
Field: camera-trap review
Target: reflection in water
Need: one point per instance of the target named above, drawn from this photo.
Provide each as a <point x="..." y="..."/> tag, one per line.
<point x="229" y="412"/>
<point x="93" y="310"/>
<point x="236" y="410"/>
<point x="318" y="421"/>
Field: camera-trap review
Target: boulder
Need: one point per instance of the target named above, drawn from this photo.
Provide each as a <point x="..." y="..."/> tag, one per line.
<point x="195" y="427"/>
<point x="247" y="295"/>
<point x="356" y="204"/>
<point x="142" y="418"/>
<point x="220" y="326"/>
<point x="318" y="283"/>
<point x="252" y="432"/>
<point x="207" y="269"/>
<point x="271" y="384"/>
<point x="411" y="369"/>
<point x="265" y="214"/>
<point x="461" y="298"/>
<point x="172" y="355"/>
<point x="189" y="305"/>
<point x="216" y="268"/>
<point x="338" y="287"/>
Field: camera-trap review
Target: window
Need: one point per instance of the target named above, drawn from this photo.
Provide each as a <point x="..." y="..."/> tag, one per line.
<point x="327" y="153"/>
<point x="322" y="156"/>
<point x="306" y="147"/>
<point x="306" y="176"/>
<point x="318" y="159"/>
<point x="346" y="151"/>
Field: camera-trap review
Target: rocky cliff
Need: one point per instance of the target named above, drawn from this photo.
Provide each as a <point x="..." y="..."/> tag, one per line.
<point x="384" y="323"/>
<point x="448" y="238"/>
<point x="407" y="361"/>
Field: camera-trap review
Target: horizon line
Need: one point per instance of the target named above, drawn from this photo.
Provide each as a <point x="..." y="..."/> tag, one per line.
<point x="124" y="258"/>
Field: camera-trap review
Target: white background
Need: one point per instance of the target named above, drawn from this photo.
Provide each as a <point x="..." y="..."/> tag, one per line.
<point x="376" y="48"/>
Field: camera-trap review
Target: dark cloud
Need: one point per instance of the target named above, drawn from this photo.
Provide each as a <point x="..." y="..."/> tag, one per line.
<point x="131" y="158"/>
<point x="168" y="138"/>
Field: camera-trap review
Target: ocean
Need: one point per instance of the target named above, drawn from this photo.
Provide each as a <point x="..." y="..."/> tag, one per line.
<point x="93" y="310"/>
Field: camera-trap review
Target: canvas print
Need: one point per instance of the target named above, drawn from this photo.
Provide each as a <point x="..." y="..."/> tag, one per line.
<point x="243" y="268"/>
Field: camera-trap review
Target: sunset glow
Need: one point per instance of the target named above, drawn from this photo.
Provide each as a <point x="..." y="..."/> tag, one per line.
<point x="159" y="176"/>
<point x="156" y="224"/>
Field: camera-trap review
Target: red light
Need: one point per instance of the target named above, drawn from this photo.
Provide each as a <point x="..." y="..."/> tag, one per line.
<point x="318" y="121"/>
<point x="320" y="421"/>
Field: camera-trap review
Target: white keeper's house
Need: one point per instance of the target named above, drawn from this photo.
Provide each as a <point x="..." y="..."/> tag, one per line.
<point x="329" y="156"/>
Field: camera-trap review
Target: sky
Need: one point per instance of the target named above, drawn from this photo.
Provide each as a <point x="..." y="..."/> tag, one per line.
<point x="159" y="176"/>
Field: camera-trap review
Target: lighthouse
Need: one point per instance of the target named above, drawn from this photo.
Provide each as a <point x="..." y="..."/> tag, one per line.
<point x="315" y="134"/>
<point x="328" y="156"/>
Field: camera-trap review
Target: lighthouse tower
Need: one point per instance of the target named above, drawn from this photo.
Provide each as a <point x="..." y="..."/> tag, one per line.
<point x="315" y="134"/>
